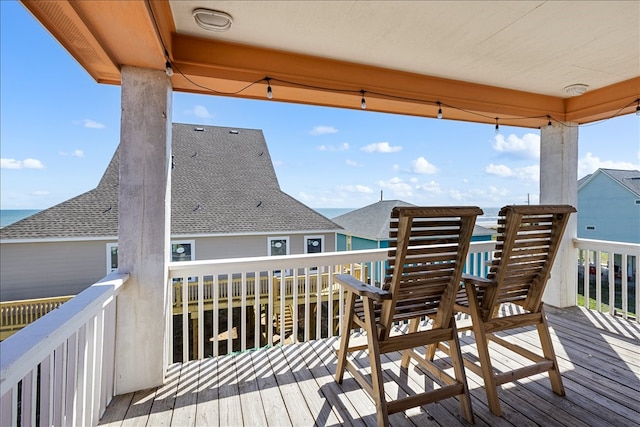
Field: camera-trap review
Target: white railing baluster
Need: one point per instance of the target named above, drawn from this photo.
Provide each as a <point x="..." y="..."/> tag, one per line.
<point x="229" y="313"/>
<point x="201" y="322"/>
<point x="257" y="310"/>
<point x="242" y="332"/>
<point x="623" y="285"/>
<point x="185" y="318"/>
<point x="271" y="290"/>
<point x="614" y="250"/>
<point x="216" y="314"/>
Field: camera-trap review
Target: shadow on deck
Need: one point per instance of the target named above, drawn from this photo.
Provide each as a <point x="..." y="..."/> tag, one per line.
<point x="293" y="385"/>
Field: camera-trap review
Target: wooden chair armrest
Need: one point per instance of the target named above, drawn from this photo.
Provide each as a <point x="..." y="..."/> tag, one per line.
<point x="476" y="280"/>
<point x="362" y="289"/>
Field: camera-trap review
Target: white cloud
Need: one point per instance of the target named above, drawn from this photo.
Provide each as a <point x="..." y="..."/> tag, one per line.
<point x="355" y="189"/>
<point x="381" y="147"/>
<point x="323" y="130"/>
<point x="199" y="111"/>
<point x="590" y="163"/>
<point x="342" y="147"/>
<point x="74" y="153"/>
<point x="480" y="195"/>
<point x="354" y="164"/>
<point x="422" y="166"/>
<point x="21" y="164"/>
<point x="430" y="187"/>
<point x="398" y="187"/>
<point x="92" y="124"/>
<point x="527" y="173"/>
<point x="500" y="170"/>
<point x="526" y="147"/>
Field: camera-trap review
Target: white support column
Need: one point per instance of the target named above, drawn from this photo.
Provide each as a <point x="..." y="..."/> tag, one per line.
<point x="144" y="228"/>
<point x="559" y="185"/>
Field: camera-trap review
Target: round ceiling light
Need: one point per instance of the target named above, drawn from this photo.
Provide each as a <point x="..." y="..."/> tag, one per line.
<point x="212" y="20"/>
<point x="576" y="90"/>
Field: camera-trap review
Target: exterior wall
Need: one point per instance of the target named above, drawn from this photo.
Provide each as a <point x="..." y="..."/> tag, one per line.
<point x="221" y="247"/>
<point x="610" y="208"/>
<point x="38" y="270"/>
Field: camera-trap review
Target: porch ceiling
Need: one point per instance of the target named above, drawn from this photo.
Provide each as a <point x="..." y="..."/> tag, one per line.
<point x="480" y="60"/>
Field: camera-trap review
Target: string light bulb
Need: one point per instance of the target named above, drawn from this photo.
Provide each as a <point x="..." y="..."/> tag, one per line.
<point x="269" y="91"/>
<point x="363" y="102"/>
<point x="497" y="127"/>
<point x="638" y="107"/>
<point x="168" y="69"/>
<point x="549" y="124"/>
<point x="439" y="110"/>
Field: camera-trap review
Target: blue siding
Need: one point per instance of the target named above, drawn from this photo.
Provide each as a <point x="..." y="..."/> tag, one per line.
<point x="610" y="208"/>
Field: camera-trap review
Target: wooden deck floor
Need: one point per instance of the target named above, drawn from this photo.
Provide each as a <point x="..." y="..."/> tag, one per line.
<point x="599" y="357"/>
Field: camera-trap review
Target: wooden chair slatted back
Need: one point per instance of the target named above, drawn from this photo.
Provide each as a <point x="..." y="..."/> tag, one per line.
<point x="528" y="241"/>
<point x="427" y="253"/>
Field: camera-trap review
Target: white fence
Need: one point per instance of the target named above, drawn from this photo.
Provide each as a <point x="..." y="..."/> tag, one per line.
<point x="60" y="369"/>
<point x="237" y="304"/>
<point x="608" y="276"/>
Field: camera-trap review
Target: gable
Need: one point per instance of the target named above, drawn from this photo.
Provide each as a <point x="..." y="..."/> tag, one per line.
<point x="222" y="181"/>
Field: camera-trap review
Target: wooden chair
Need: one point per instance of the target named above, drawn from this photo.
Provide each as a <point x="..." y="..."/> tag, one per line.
<point x="426" y="257"/>
<point x="528" y="240"/>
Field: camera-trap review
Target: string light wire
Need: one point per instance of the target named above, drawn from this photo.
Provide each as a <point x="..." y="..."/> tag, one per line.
<point x="268" y="80"/>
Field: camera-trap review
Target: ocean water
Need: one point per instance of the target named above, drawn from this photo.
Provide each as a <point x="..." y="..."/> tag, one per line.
<point x="490" y="216"/>
<point x="9" y="216"/>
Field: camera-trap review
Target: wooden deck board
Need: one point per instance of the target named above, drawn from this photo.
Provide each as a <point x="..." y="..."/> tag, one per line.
<point x="294" y="385"/>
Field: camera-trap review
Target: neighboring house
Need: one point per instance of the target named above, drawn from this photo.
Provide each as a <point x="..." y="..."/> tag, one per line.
<point x="368" y="227"/>
<point x="609" y="205"/>
<point x="225" y="203"/>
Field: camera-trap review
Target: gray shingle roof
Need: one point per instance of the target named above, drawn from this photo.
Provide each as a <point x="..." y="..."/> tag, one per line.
<point x="628" y="178"/>
<point x="372" y="221"/>
<point x="222" y="182"/>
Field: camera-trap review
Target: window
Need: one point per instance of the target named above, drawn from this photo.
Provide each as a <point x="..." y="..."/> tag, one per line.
<point x="181" y="250"/>
<point x="313" y="244"/>
<point x="278" y="246"/>
<point x="112" y="257"/>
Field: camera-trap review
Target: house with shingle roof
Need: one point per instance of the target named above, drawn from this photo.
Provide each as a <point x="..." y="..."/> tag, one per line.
<point x="226" y="202"/>
<point x="368" y="227"/>
<point x="609" y="205"/>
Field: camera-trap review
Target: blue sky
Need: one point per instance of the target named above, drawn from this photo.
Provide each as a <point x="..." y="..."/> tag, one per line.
<point x="59" y="129"/>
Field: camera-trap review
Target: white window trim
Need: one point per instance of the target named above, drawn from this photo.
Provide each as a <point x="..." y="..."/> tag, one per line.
<point x="285" y="238"/>
<point x="173" y="242"/>
<point x="185" y="242"/>
<point x="109" y="246"/>
<point x="306" y="242"/>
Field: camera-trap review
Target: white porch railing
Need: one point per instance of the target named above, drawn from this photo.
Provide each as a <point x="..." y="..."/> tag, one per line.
<point x="236" y="304"/>
<point x="59" y="370"/>
<point x="608" y="277"/>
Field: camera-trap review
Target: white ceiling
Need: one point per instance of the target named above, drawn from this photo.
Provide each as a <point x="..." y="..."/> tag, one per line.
<point x="534" y="46"/>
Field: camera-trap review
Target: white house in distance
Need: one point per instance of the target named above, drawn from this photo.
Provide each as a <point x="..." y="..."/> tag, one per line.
<point x="609" y="205"/>
<point x="226" y="202"/>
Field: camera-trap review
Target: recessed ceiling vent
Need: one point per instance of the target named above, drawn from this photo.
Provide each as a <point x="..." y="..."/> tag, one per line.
<point x="212" y="20"/>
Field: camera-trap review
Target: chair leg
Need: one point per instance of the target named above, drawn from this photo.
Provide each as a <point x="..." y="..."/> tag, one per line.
<point x="490" y="385"/>
<point x="377" y="382"/>
<point x="549" y="353"/>
<point x="458" y="369"/>
<point x="406" y="355"/>
<point x="346" y="334"/>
